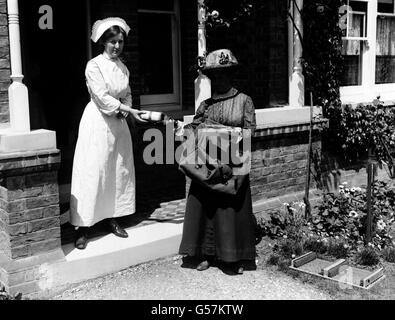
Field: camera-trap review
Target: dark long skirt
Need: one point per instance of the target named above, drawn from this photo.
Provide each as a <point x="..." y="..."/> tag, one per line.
<point x="219" y="225"/>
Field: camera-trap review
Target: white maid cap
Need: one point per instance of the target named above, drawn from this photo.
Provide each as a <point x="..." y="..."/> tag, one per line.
<point x="101" y="26"/>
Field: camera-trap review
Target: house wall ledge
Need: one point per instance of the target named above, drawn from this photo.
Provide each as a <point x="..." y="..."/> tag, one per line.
<point x="387" y="103"/>
<point x="283" y="120"/>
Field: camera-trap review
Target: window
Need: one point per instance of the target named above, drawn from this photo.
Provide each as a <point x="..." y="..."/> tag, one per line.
<point x="353" y="36"/>
<point x="158" y="30"/>
<point x="385" y="42"/>
<point x="369" y="51"/>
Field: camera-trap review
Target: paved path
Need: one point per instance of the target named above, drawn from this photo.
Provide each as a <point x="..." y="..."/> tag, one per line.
<point x="165" y="279"/>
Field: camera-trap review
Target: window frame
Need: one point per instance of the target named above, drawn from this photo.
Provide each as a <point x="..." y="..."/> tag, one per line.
<point x="173" y="100"/>
<point x="369" y="90"/>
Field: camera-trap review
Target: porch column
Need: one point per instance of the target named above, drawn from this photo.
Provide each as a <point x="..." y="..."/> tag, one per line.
<point x="296" y="83"/>
<point x="17" y="92"/>
<point x="18" y="137"/>
<point x="202" y="82"/>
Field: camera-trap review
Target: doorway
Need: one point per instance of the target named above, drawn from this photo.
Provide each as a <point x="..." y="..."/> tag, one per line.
<point x="54" y="61"/>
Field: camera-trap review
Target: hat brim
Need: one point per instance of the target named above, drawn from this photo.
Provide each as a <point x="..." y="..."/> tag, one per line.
<point x="220" y="68"/>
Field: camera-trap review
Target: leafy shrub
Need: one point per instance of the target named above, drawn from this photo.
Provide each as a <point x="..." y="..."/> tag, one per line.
<point x="289" y="248"/>
<point x="368" y="257"/>
<point x="273" y="259"/>
<point x="388" y="254"/>
<point x="343" y="216"/>
<point x="338" y="248"/>
<point x="316" y="245"/>
<point x="283" y="264"/>
<point x="287" y="222"/>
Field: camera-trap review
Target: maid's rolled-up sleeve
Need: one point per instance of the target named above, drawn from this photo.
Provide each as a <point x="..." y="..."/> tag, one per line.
<point x="98" y="90"/>
<point x="128" y="101"/>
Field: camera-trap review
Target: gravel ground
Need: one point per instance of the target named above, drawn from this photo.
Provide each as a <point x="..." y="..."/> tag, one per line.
<point x="166" y="280"/>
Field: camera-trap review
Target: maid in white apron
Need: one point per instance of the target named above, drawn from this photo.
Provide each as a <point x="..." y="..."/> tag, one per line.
<point x="103" y="179"/>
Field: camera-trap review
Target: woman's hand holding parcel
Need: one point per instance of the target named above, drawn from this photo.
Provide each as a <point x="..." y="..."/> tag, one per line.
<point x="136" y="114"/>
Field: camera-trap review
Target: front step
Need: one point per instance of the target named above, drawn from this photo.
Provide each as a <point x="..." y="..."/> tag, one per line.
<point x="111" y="254"/>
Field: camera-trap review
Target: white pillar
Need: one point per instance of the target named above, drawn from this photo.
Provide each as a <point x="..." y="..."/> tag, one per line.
<point x="296" y="83"/>
<point x="17" y="92"/>
<point x="290" y="45"/>
<point x="202" y="82"/>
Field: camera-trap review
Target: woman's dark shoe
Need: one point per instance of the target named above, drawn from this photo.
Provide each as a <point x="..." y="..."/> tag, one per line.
<point x="117" y="230"/>
<point x="240" y="269"/>
<point x="204" y="265"/>
<point x="82" y="238"/>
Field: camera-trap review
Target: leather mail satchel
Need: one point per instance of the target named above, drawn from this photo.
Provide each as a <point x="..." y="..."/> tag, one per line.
<point x="198" y="164"/>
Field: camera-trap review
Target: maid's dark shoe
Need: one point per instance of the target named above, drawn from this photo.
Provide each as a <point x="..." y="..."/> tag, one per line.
<point x="117" y="230"/>
<point x="82" y="238"/>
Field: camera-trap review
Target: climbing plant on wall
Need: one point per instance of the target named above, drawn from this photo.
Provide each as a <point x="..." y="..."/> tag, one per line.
<point x="322" y="57"/>
<point x="323" y="63"/>
<point x="352" y="130"/>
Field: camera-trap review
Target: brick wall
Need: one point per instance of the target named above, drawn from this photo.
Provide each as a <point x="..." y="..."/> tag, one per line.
<point x="279" y="165"/>
<point x="261" y="45"/>
<point x="4" y="63"/>
<point x="259" y="42"/>
<point x="29" y="205"/>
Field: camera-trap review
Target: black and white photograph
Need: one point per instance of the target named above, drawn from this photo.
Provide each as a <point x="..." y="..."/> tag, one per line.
<point x="197" y="155"/>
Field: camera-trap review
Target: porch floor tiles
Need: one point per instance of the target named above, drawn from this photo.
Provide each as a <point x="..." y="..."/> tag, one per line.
<point x="146" y="215"/>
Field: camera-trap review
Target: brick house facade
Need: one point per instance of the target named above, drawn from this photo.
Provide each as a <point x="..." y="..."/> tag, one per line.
<point x="35" y="165"/>
<point x="53" y="62"/>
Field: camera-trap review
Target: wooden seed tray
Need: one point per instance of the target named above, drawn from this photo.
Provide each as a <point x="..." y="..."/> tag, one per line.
<point x="337" y="271"/>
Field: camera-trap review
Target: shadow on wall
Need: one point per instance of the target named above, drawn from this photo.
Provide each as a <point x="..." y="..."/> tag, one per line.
<point x="331" y="171"/>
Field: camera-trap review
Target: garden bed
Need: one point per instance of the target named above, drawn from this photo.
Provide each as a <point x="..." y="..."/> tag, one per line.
<point x="336" y="230"/>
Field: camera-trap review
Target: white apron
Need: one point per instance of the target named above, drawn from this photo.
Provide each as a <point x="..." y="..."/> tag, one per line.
<point x="103" y="179"/>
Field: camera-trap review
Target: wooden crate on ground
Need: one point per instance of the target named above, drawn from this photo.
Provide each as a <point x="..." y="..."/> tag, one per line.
<point x="337" y="271"/>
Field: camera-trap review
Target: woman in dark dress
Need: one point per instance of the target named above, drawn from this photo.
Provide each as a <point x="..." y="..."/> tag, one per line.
<point x="219" y="226"/>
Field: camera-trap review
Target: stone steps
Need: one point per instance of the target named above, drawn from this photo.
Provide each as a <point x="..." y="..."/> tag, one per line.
<point x="109" y="254"/>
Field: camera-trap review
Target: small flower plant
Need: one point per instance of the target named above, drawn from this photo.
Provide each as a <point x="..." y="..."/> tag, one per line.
<point x="287" y="222"/>
<point x="343" y="216"/>
<point x="338" y="224"/>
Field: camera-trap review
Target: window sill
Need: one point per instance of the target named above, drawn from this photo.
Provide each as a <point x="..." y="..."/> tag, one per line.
<point x="365" y="95"/>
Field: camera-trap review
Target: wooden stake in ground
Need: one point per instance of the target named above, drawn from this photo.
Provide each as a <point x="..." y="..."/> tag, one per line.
<point x="369" y="218"/>
<point x="308" y="167"/>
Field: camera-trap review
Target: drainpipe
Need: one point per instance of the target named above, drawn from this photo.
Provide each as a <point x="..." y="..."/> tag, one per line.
<point x="202" y="82"/>
<point x="17" y="92"/>
<point x="296" y="98"/>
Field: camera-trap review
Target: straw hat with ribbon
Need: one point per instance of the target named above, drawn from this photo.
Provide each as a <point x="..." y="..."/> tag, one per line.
<point x="220" y="59"/>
